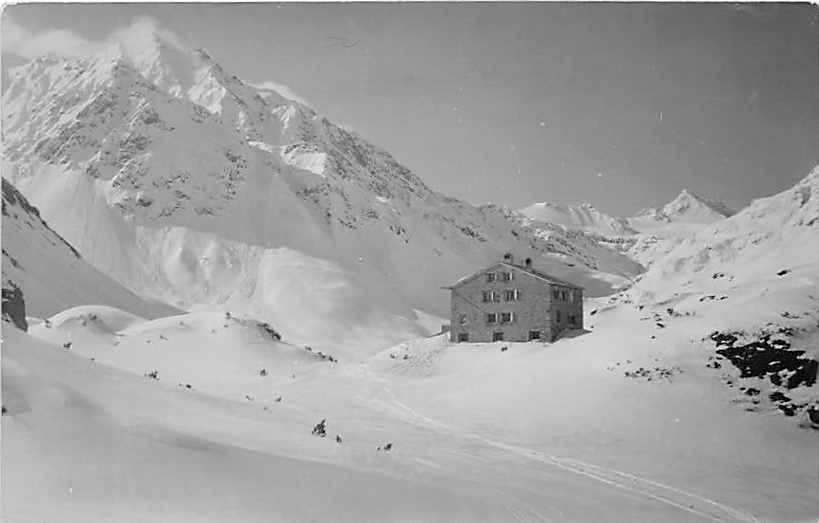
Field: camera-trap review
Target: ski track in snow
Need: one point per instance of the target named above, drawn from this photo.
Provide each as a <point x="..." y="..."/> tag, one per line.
<point x="701" y="506"/>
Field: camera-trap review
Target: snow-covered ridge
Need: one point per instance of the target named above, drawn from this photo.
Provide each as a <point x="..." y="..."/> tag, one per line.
<point x="687" y="207"/>
<point x="583" y="217"/>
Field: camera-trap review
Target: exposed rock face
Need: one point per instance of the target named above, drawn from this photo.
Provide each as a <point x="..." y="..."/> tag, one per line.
<point x="14" y="306"/>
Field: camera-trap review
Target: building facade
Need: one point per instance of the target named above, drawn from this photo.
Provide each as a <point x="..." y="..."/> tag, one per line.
<point x="509" y="302"/>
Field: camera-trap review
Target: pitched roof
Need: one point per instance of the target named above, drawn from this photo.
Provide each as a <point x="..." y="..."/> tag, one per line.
<point x="534" y="272"/>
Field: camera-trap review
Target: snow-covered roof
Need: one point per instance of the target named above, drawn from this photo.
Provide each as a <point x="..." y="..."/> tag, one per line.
<point x="534" y="272"/>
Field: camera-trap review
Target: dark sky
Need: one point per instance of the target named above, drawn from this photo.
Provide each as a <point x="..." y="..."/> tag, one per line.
<point x="622" y="105"/>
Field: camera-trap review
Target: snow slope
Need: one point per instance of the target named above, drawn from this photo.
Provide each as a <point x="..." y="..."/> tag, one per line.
<point x="84" y="443"/>
<point x="50" y="273"/>
<point x="627" y="419"/>
<point x="185" y="183"/>
<point x="210" y="351"/>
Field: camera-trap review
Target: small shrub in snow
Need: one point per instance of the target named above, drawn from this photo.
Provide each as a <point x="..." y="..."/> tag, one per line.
<point x="263" y="372"/>
<point x="154" y="374"/>
<point x="320" y="429"/>
<point x="271" y="331"/>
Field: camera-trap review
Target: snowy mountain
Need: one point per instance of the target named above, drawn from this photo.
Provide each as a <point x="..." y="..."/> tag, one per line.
<point x="185" y="183"/>
<point x="687" y="207"/>
<point x="50" y="273"/>
<point x="773" y="234"/>
<point x="583" y="217"/>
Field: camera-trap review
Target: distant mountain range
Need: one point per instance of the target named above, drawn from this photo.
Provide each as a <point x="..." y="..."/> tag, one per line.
<point x="686" y="208"/>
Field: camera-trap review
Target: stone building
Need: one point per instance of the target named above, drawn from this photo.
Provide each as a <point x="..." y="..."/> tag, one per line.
<point x="512" y="302"/>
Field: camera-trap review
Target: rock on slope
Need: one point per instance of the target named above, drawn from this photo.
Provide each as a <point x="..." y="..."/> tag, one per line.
<point x="51" y="275"/>
<point x="185" y="183"/>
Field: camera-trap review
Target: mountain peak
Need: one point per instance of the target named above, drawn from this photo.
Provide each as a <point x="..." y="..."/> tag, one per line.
<point x="687" y="206"/>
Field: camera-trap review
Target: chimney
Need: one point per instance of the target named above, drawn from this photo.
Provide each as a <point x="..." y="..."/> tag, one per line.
<point x="508" y="258"/>
<point x="528" y="263"/>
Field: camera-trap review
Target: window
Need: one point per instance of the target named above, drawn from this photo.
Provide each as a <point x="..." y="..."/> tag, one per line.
<point x="555" y="294"/>
<point x="462" y="319"/>
<point x="534" y="335"/>
<point x="571" y="319"/>
<point x="563" y="295"/>
<point x="463" y="336"/>
<point x="490" y="277"/>
<point x="490" y="296"/>
<point x="491" y="318"/>
<point x="507" y="317"/>
<point x="497" y="336"/>
<point x="558" y="316"/>
<point x="506" y="276"/>
<point x="512" y="295"/>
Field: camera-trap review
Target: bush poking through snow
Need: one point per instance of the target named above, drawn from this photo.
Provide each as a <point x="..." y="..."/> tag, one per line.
<point x="320" y="429"/>
<point x="154" y="374"/>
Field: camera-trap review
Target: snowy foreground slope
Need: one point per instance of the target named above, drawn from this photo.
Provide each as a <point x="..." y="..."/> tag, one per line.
<point x="50" y="273"/>
<point x="113" y="417"/>
<point x="183" y="182"/>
